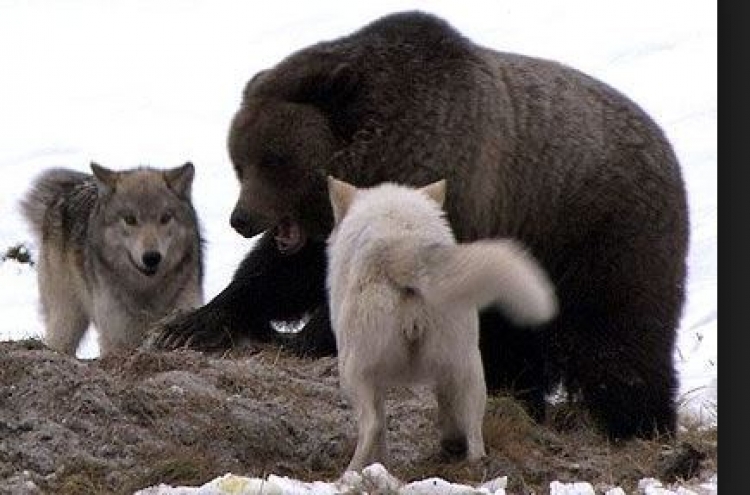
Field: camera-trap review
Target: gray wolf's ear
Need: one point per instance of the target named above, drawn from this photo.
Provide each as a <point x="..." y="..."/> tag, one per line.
<point x="436" y="191"/>
<point x="180" y="179"/>
<point x="341" y="195"/>
<point x="106" y="179"/>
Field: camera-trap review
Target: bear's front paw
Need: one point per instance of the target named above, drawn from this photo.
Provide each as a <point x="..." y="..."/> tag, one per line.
<point x="187" y="329"/>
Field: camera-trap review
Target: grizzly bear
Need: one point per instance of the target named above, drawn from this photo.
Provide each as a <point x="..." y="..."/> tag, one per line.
<point x="532" y="149"/>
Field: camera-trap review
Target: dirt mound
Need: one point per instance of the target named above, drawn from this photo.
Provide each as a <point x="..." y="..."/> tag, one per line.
<point x="119" y="424"/>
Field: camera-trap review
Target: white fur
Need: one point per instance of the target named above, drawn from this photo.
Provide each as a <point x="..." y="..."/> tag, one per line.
<point x="404" y="301"/>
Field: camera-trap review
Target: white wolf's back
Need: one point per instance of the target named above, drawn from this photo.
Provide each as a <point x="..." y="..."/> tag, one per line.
<point x="398" y="236"/>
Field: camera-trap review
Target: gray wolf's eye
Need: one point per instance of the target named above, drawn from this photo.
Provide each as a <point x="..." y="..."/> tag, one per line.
<point x="129" y="219"/>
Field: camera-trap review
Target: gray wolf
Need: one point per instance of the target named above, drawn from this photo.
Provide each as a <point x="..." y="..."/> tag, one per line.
<point x="534" y="150"/>
<point x="403" y="300"/>
<point x="116" y="249"/>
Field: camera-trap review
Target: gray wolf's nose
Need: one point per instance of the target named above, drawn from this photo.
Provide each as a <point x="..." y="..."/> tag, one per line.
<point x="151" y="259"/>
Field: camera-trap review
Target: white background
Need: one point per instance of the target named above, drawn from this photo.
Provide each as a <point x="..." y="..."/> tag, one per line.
<point x="156" y="83"/>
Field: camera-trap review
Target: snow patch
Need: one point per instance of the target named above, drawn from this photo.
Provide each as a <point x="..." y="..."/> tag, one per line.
<point x="376" y="479"/>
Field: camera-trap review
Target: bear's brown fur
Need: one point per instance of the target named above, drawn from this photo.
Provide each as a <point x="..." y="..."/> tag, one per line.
<point x="531" y="149"/>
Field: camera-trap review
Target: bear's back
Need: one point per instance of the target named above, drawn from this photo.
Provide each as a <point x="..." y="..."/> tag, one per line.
<point x="532" y="142"/>
<point x="538" y="150"/>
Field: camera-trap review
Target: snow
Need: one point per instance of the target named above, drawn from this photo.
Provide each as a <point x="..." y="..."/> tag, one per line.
<point x="139" y="82"/>
<point x="376" y="479"/>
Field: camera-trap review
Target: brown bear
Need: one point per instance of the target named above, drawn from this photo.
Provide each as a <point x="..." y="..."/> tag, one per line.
<point x="531" y="149"/>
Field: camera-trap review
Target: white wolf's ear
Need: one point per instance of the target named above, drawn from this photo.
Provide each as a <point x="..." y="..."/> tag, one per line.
<point x="436" y="191"/>
<point x="341" y="195"/>
<point x="180" y="179"/>
<point x="105" y="179"/>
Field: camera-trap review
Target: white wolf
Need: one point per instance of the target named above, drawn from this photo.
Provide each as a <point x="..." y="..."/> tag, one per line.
<point x="404" y="300"/>
<point x="116" y="249"/>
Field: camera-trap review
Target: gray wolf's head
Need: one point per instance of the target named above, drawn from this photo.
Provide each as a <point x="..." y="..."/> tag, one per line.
<point x="144" y="224"/>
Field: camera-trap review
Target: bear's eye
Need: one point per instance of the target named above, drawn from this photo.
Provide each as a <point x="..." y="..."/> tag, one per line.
<point x="129" y="219"/>
<point x="165" y="218"/>
<point x="272" y="160"/>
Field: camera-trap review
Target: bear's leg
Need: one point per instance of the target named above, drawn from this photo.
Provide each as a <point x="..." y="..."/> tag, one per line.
<point x="513" y="360"/>
<point x="316" y="338"/>
<point x="267" y="286"/>
<point x="618" y="326"/>
<point x="625" y="372"/>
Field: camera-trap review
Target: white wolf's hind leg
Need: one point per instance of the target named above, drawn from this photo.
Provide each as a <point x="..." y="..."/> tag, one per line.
<point x="369" y="405"/>
<point x="462" y="396"/>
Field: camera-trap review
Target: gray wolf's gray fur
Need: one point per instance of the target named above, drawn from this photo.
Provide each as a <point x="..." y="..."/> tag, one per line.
<point x="404" y="299"/>
<point x="116" y="249"/>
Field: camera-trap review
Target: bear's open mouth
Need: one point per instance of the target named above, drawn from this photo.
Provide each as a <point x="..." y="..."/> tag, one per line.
<point x="289" y="236"/>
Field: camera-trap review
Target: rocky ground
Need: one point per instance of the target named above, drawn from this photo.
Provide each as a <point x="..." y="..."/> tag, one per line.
<point x="119" y="424"/>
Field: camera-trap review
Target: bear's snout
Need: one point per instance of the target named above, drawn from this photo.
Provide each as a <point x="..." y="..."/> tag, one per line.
<point x="244" y="224"/>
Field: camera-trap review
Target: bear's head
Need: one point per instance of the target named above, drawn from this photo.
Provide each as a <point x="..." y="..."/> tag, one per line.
<point x="282" y="141"/>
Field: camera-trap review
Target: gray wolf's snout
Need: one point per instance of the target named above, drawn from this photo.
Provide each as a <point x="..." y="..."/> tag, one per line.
<point x="151" y="260"/>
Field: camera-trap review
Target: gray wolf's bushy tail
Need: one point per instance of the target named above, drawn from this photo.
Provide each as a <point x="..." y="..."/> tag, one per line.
<point x="482" y="273"/>
<point x="45" y="191"/>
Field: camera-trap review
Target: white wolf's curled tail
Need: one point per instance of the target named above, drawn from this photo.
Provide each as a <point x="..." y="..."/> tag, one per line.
<point x="44" y="192"/>
<point x="479" y="274"/>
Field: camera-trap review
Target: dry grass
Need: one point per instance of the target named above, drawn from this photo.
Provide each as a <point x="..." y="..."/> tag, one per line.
<point x="184" y="418"/>
<point x="83" y="476"/>
<point x="175" y="466"/>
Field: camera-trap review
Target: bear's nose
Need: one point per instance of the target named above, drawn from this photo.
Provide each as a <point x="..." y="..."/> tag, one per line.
<point x="239" y="220"/>
<point x="151" y="259"/>
<point x="242" y="223"/>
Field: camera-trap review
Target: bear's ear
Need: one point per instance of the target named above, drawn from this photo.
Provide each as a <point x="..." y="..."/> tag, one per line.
<point x="436" y="191"/>
<point x="341" y="195"/>
<point x="253" y="82"/>
<point x="180" y="179"/>
<point x="106" y="179"/>
<point x="330" y="86"/>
